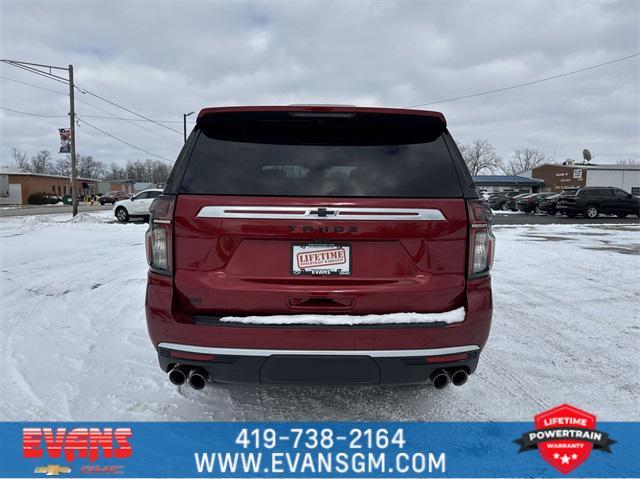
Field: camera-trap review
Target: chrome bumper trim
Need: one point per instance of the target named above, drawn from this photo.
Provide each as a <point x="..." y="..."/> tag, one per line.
<point x="382" y="353"/>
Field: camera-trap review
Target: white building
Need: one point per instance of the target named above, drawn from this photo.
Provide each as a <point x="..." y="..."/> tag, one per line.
<point x="626" y="177"/>
<point x="558" y="177"/>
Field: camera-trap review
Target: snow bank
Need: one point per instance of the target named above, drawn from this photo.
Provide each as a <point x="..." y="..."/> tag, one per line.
<point x="88" y="218"/>
<point x="449" y="317"/>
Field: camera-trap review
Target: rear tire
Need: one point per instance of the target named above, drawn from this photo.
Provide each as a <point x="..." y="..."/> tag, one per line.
<point x="122" y="215"/>
<point x="591" y="212"/>
<point x="504" y="207"/>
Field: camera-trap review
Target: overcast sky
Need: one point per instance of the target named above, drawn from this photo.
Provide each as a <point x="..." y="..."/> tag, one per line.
<point x="163" y="59"/>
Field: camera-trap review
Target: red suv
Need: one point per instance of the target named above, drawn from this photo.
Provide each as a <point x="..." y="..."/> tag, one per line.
<point x="319" y="245"/>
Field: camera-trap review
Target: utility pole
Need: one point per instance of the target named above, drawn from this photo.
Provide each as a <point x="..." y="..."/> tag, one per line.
<point x="184" y="118"/>
<point x="47" y="71"/>
<point x="72" y="126"/>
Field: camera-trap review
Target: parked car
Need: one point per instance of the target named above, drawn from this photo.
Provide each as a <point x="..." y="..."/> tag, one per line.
<point x="510" y="202"/>
<point x="548" y="204"/>
<point x="591" y="201"/>
<point x="135" y="207"/>
<point x="530" y="203"/>
<point x="497" y="200"/>
<point x="113" y="196"/>
<point x="280" y="228"/>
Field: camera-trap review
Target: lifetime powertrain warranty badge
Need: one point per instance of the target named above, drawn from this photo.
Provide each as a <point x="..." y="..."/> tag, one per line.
<point x="565" y="437"/>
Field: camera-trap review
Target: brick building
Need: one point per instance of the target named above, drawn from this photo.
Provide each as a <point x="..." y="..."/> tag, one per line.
<point x="22" y="184"/>
<point x="105" y="186"/>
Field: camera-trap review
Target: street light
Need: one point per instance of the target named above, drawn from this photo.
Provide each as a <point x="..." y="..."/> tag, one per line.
<point x="184" y="117"/>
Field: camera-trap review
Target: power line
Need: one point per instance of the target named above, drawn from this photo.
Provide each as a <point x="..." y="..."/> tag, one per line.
<point x="34" y="86"/>
<point x="113" y="117"/>
<point x="29" y="68"/>
<point x="32" y="114"/>
<point x="88" y="124"/>
<point x="133" y="119"/>
<point x="126" y="109"/>
<point x="532" y="82"/>
<point x="121" y="140"/>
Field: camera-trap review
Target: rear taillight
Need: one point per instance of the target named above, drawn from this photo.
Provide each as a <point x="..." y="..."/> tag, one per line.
<point x="159" y="236"/>
<point x="481" y="239"/>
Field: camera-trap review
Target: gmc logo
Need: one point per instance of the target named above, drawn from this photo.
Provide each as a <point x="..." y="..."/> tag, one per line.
<point x="322" y="229"/>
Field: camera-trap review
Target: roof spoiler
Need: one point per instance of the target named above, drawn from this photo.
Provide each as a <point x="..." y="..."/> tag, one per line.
<point x="321" y="110"/>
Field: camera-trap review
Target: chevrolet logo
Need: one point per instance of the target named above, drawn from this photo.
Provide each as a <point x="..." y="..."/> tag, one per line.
<point x="52" y="470"/>
<point x="323" y="212"/>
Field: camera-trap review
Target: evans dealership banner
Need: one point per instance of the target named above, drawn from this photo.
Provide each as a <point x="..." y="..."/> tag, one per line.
<point x="315" y="450"/>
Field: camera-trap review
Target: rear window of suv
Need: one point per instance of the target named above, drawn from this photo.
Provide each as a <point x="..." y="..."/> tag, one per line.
<point x="364" y="155"/>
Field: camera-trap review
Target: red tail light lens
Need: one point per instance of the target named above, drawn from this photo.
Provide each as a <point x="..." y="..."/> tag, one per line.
<point x="159" y="236"/>
<point x="481" y="239"/>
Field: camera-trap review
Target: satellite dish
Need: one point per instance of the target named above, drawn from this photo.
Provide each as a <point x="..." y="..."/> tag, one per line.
<point x="586" y="154"/>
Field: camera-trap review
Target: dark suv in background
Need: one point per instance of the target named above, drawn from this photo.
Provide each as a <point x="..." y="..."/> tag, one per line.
<point x="548" y="204"/>
<point x="113" y="196"/>
<point x="499" y="201"/>
<point x="595" y="200"/>
<point x="530" y="203"/>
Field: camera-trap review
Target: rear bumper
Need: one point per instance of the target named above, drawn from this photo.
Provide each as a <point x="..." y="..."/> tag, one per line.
<point x="384" y="351"/>
<point x="310" y="367"/>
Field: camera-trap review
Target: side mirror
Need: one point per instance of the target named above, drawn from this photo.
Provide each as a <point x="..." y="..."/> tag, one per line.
<point x="132" y="198"/>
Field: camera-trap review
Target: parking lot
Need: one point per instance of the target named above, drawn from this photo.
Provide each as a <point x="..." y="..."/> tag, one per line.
<point x="75" y="345"/>
<point x="519" y="218"/>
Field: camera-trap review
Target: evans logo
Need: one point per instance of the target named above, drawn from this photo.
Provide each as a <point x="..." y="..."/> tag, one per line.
<point x="77" y="443"/>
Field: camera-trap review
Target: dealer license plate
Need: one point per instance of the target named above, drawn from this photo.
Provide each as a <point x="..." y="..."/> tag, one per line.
<point x="321" y="258"/>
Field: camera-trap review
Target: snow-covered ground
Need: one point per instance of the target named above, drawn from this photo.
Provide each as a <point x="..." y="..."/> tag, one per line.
<point x="74" y="346"/>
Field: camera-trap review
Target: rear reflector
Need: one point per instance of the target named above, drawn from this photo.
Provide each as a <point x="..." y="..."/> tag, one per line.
<point x="447" y="358"/>
<point x="191" y="356"/>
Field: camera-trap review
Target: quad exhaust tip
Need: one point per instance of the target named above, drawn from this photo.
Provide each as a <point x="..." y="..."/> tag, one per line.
<point x="459" y="377"/>
<point x="178" y="375"/>
<point x="440" y="379"/>
<point x="197" y="378"/>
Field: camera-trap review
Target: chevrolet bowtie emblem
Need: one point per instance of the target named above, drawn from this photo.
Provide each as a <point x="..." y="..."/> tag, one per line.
<point x="323" y="212"/>
<point x="52" y="470"/>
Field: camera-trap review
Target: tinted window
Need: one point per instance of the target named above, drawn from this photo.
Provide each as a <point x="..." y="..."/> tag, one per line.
<point x="226" y="167"/>
<point x="591" y="192"/>
<point x="153" y="194"/>
<point x="142" y="196"/>
<point x="620" y="193"/>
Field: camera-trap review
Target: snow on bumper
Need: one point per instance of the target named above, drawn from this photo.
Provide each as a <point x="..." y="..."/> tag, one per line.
<point x="449" y="317"/>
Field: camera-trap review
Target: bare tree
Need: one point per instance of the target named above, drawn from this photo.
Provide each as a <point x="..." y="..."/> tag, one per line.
<point x="62" y="166"/>
<point x="524" y="159"/>
<point x="41" y="162"/>
<point x="115" y="171"/>
<point x="20" y="159"/>
<point x="90" y="168"/>
<point x="480" y="157"/>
